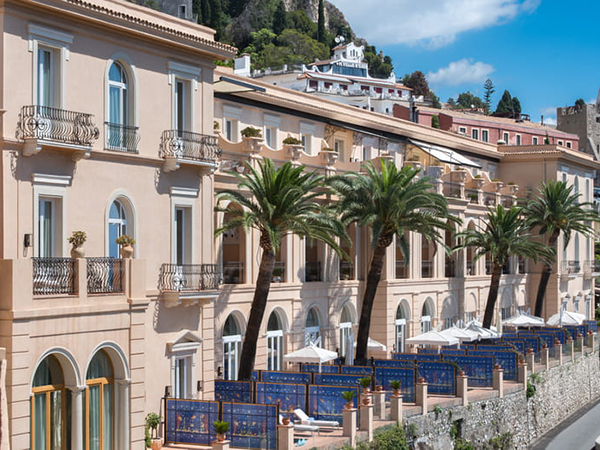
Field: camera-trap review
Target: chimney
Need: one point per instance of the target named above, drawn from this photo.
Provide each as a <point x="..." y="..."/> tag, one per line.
<point x="242" y="65"/>
<point x="542" y="119"/>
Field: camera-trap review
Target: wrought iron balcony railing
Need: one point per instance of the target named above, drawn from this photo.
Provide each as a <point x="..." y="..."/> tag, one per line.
<point x="54" y="276"/>
<point x="121" y="138"/>
<point x="279" y="272"/>
<point x="346" y="270"/>
<point x="58" y="125"/>
<point x="570" y="267"/>
<point x="312" y="271"/>
<point x="105" y="275"/>
<point x="233" y="272"/>
<point x="187" y="145"/>
<point x="188" y="277"/>
<point x="591" y="267"/>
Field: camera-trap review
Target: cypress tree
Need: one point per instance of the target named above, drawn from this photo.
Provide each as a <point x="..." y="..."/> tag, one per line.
<point x="280" y="18"/>
<point x="516" y="106"/>
<point x="321" y="32"/>
<point x="505" y="104"/>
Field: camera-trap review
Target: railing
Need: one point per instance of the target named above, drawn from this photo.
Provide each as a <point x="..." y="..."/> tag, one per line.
<point x="279" y="272"/>
<point x="233" y="272"/>
<point x="472" y="195"/>
<point x="450" y="269"/>
<point x="452" y="189"/>
<point x="54" y="276"/>
<point x="105" y="275"/>
<point x="489" y="199"/>
<point x="312" y="271"/>
<point x="346" y="270"/>
<point x="470" y="267"/>
<point x="189" y="277"/>
<point x="53" y="124"/>
<point x="591" y="267"/>
<point x="571" y="267"/>
<point x="521" y="266"/>
<point x="188" y="145"/>
<point x="426" y="269"/>
<point x="121" y="138"/>
<point x="401" y="269"/>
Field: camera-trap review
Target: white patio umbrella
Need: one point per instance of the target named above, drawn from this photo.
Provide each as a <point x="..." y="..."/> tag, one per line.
<point x="372" y="344"/>
<point x="462" y="334"/>
<point x="482" y="333"/>
<point x="524" y="320"/>
<point x="432" y="338"/>
<point x="311" y="354"/>
<point x="568" y="318"/>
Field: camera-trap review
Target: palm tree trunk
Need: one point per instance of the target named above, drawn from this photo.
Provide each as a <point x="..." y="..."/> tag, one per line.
<point x="259" y="304"/>
<point x="492" y="295"/>
<point x="367" y="305"/>
<point x="545" y="278"/>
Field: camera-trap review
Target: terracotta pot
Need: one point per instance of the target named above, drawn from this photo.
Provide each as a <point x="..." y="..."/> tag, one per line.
<point x="220" y="437"/>
<point x="156" y="444"/>
<point x="366" y="390"/>
<point x="77" y="252"/>
<point x="421" y="380"/>
<point x="366" y="401"/>
<point x="461" y="373"/>
<point x="349" y="405"/>
<point x="285" y="421"/>
<point x="126" y="251"/>
<point x="378" y="388"/>
<point x="397" y="393"/>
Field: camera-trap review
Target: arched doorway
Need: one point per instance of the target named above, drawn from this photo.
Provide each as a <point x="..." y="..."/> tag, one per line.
<point x="100" y="403"/>
<point x="426" y="315"/>
<point x="232" y="342"/>
<point x="346" y="334"/>
<point x="400" y="327"/>
<point x="274" y="342"/>
<point x="312" y="328"/>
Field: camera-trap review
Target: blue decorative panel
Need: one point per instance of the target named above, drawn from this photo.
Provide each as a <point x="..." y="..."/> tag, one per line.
<point x="314" y="368"/>
<point x="499" y="346"/>
<point x="416" y="356"/>
<point x="286" y="377"/>
<point x="532" y="342"/>
<point x="440" y="376"/>
<point x="233" y="391"/>
<point x="509" y="334"/>
<point x="287" y="396"/>
<point x="479" y="369"/>
<point x="517" y="343"/>
<point x="428" y="351"/>
<point x="327" y="403"/>
<point x="384" y="375"/>
<point x="507" y="360"/>
<point x="591" y="325"/>
<point x="365" y="371"/>
<point x="251" y="426"/>
<point x="408" y="364"/>
<point x="337" y="380"/>
<point x="190" y="421"/>
<point x="574" y="330"/>
<point x="453" y="352"/>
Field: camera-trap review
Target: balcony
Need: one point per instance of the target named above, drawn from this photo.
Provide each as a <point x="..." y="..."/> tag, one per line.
<point x="401" y="269"/>
<point x="184" y="147"/>
<point x="105" y="275"/>
<point x="278" y="272"/>
<point x="45" y="127"/>
<point x="489" y="266"/>
<point x="450" y="268"/>
<point x="233" y="272"/>
<point x="570" y="269"/>
<point x="312" y="271"/>
<point x="54" y="276"/>
<point x="121" y="138"/>
<point x="426" y="269"/>
<point x="346" y="270"/>
<point x="591" y="268"/>
<point x="187" y="284"/>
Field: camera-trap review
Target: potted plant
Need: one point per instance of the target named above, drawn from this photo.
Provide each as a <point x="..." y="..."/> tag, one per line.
<point x="292" y="141"/>
<point x="221" y="428"/>
<point x="77" y="240"/>
<point x="152" y="423"/>
<point x="126" y="243"/>
<point x="365" y="383"/>
<point x="349" y="397"/>
<point x="395" y="385"/>
<point x="251" y="132"/>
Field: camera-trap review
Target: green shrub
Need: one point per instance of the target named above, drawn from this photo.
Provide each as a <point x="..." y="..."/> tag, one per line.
<point x="390" y="438"/>
<point x="251" y="132"/>
<point x="461" y="444"/>
<point x="530" y="392"/>
<point x="437" y="409"/>
<point x="500" y="442"/>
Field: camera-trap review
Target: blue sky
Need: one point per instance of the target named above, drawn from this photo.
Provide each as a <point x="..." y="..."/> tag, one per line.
<point x="545" y="52"/>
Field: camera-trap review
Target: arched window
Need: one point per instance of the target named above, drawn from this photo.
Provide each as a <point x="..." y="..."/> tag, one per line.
<point x="232" y="341"/>
<point x="118" y="108"/>
<point x="346" y="333"/>
<point x="274" y="342"/>
<point x="506" y="305"/>
<point x="117" y="226"/>
<point x="100" y="403"/>
<point x="312" y="329"/>
<point x="400" y="329"/>
<point x="471" y="266"/>
<point x="49" y="408"/>
<point x="426" y="314"/>
<point x="449" y="312"/>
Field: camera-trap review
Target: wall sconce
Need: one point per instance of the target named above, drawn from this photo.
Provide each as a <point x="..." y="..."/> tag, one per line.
<point x="28" y="240"/>
<point x="199" y="386"/>
<point x="219" y="372"/>
<point x="167" y="391"/>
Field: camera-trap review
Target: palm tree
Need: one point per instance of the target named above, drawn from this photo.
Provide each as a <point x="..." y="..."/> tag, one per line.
<point x="505" y="235"/>
<point x="556" y="210"/>
<point x="390" y="202"/>
<point x="276" y="202"/>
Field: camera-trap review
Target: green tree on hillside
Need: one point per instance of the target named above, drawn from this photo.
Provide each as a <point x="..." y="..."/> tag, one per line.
<point x="417" y="82"/>
<point x="508" y="104"/>
<point x="467" y="100"/>
<point x="280" y="20"/>
<point x="321" y="31"/>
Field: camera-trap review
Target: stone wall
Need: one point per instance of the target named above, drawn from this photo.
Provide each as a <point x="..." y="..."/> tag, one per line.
<point x="560" y="392"/>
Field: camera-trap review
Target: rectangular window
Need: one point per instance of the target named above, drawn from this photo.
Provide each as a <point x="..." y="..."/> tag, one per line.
<point x="560" y="142"/>
<point x="485" y="135"/>
<point x="182" y="239"/>
<point x="569" y="145"/>
<point x="534" y="140"/>
<point x="183" y="375"/>
<point x="307" y="131"/>
<point x="45" y="77"/>
<point x="505" y="138"/>
<point x="462" y="130"/>
<point x="338" y="146"/>
<point x="271" y="137"/>
<point x="182" y="106"/>
<point x="231" y="130"/>
<point x="518" y="139"/>
<point x="475" y="133"/>
<point x="46" y="227"/>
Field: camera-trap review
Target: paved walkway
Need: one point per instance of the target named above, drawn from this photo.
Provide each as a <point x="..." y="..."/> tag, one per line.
<point x="576" y="433"/>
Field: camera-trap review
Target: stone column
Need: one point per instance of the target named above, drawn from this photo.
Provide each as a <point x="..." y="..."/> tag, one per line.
<point x="580" y="343"/>
<point x="545" y="357"/>
<point x="421" y="394"/>
<point x="396" y="408"/>
<point x="522" y="373"/>
<point x="379" y="399"/>
<point x="499" y="380"/>
<point x="366" y="420"/>
<point x="223" y="445"/>
<point x="558" y="352"/>
<point x="462" y="383"/>
<point x="571" y="348"/>
<point x="530" y="358"/>
<point x="285" y="437"/>
<point x="349" y="417"/>
<point x="590" y="340"/>
<point x="77" y="414"/>
<point x="124" y="419"/>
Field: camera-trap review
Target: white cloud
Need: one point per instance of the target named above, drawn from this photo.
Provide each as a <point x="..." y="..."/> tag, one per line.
<point x="434" y="23"/>
<point x="460" y="72"/>
<point x="549" y="120"/>
<point x="548" y="111"/>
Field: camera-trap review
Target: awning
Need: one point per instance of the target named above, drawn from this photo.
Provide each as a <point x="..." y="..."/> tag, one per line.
<point x="444" y="154"/>
<point x="226" y="85"/>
